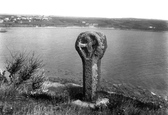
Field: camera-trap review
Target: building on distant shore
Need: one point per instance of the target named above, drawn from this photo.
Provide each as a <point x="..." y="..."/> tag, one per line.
<point x="1" y="21"/>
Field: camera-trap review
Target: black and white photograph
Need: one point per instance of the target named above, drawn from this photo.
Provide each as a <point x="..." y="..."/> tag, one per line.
<point x="83" y="57"/>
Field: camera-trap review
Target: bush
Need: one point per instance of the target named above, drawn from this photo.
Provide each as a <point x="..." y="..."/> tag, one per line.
<point x="25" y="71"/>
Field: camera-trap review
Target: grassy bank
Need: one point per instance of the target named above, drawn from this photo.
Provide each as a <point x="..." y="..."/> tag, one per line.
<point x="126" y="100"/>
<point x="13" y="102"/>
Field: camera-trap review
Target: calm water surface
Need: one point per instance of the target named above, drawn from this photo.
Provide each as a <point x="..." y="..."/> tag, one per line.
<point x="136" y="57"/>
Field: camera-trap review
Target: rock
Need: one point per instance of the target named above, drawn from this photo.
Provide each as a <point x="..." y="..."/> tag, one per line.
<point x="102" y="101"/>
<point x="83" y="104"/>
<point x="55" y="89"/>
<point x="99" y="103"/>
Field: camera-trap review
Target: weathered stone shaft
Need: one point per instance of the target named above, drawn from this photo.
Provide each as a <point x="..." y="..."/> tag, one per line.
<point x="91" y="47"/>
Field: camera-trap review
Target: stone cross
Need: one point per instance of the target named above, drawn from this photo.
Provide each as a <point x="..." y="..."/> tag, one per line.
<point x="91" y="47"/>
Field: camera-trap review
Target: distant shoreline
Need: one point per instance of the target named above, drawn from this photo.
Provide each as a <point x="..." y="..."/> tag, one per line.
<point x="78" y="27"/>
<point x="69" y="22"/>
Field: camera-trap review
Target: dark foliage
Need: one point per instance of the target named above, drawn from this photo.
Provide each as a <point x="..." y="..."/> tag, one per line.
<point x="22" y="67"/>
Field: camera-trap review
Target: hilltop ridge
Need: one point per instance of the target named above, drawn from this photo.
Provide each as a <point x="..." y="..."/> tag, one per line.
<point x="54" y="21"/>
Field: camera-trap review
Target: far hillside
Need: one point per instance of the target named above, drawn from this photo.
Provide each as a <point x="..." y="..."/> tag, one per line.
<point x="117" y="23"/>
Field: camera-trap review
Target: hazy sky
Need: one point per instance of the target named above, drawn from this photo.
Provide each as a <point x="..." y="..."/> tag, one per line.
<point x="151" y="9"/>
